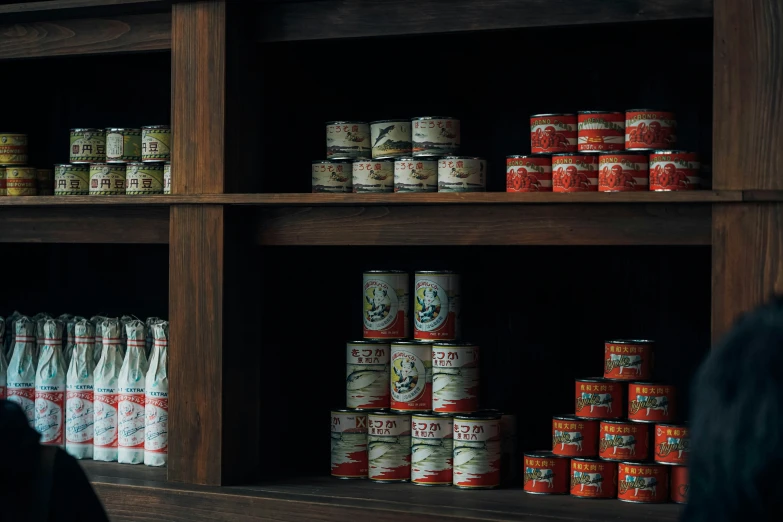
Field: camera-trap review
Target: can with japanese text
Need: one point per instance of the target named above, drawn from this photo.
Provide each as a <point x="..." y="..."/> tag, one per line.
<point x="71" y="180"/>
<point x="642" y="482"/>
<point x="572" y="437"/>
<point x="107" y="179"/>
<point x="144" y="178"/>
<point x="13" y="148"/>
<point x="367" y="375"/>
<point x="647" y="129"/>
<point x="3" y="185"/>
<point x="167" y="177"/>
<point x="416" y="174"/>
<point x="623" y="172"/>
<point x="333" y="176"/>
<point x="574" y="172"/>
<point x="432" y="449"/>
<point x="628" y="359"/>
<point x="546" y="473"/>
<point x="679" y="484"/>
<point x="455" y="377"/>
<point x="45" y="182"/>
<point x="391" y="138"/>
<point x="437" y="309"/>
<point x="389" y="446"/>
<point x="623" y="440"/>
<point x="349" y="444"/>
<point x="123" y="145"/>
<point x="88" y="146"/>
<point x="21" y="181"/>
<point x="477" y="450"/>
<point x="348" y="140"/>
<point x="552" y="133"/>
<point x="435" y="135"/>
<point x="598" y="398"/>
<point x="373" y="175"/>
<point x="532" y="173"/>
<point x="600" y="131"/>
<point x="411" y="376"/>
<point x="593" y="478"/>
<point x="386" y="304"/>
<point x="672" y="444"/>
<point x="156" y="143"/>
<point x="674" y="170"/>
<point x="651" y="402"/>
<point x="462" y="174"/>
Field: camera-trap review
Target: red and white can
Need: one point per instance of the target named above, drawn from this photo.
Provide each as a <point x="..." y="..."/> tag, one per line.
<point x="572" y="437"/>
<point x="477" y="450"/>
<point x="531" y="173"/>
<point x="672" y="444"/>
<point x="455" y="377"/>
<point x="651" y="402"/>
<point x="552" y="133"/>
<point x="623" y="172"/>
<point x="623" y="440"/>
<point x="389" y="446"/>
<point x="574" y="172"/>
<point x="600" y="131"/>
<point x="432" y="449"/>
<point x="411" y="376"/>
<point x="386" y="304"/>
<point x="647" y="129"/>
<point x="642" y="482"/>
<point x="349" y="444"/>
<point x="593" y="478"/>
<point x="599" y="399"/>
<point x="438" y="306"/>
<point x="628" y="360"/>
<point x="674" y="170"/>
<point x="546" y="473"/>
<point x="679" y="484"/>
<point x="367" y="375"/>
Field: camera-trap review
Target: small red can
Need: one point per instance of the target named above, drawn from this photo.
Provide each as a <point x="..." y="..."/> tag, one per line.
<point x="574" y="172"/>
<point x="593" y="478"/>
<point x="651" y="402"/>
<point x="628" y="360"/>
<point x="672" y="443"/>
<point x="572" y="437"/>
<point x="674" y="170"/>
<point x="623" y="440"/>
<point x="532" y="173"/>
<point x="552" y="133"/>
<point x="623" y="172"/>
<point x="600" y="131"/>
<point x="546" y="473"/>
<point x="647" y="129"/>
<point x="679" y="484"/>
<point x="598" y="398"/>
<point x="642" y="482"/>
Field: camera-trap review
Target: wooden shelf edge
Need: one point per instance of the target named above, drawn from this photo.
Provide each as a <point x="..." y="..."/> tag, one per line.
<point x="65" y="5"/>
<point x="762" y="195"/>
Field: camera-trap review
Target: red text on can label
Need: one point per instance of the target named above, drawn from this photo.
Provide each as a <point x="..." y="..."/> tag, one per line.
<point x="389" y="447"/>
<point x="575" y="173"/>
<point x="411" y="376"/>
<point x="628" y="361"/>
<point x="373" y="176"/>
<point x="432" y="449"/>
<point x="672" y="444"/>
<point x="593" y="478"/>
<point x="650" y="130"/>
<point x="349" y="444"/>
<point x="348" y="140"/>
<point x="455" y="378"/>
<point x="574" y="437"/>
<point x="619" y="440"/>
<point x="599" y="399"/>
<point x="529" y="174"/>
<point x="642" y="482"/>
<point x="477" y="453"/>
<point x="49" y="415"/>
<point x="553" y="133"/>
<point x="416" y="175"/>
<point x="386" y="301"/>
<point x="679" y="484"/>
<point x="546" y="474"/>
<point x="675" y="171"/>
<point x="601" y="131"/>
<point x="623" y="172"/>
<point x="367" y="375"/>
<point x="651" y="402"/>
<point x="437" y="306"/>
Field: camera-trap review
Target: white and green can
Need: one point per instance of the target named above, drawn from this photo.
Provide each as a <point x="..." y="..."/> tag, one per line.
<point x="71" y="180"/>
<point x="107" y="179"/>
<point x="88" y="146"/>
<point x="156" y="143"/>
<point x="123" y="145"/>
<point x="144" y="178"/>
<point x="167" y="177"/>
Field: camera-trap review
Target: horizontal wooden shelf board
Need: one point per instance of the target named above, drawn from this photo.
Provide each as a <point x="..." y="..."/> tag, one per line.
<point x="61" y="5"/>
<point x="762" y="195"/>
<point x="109" y="471"/>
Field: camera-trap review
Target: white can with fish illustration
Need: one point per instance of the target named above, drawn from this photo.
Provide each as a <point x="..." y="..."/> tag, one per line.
<point x="437" y="307"/>
<point x="416" y="175"/>
<point x="389" y="446"/>
<point x="432" y="449"/>
<point x="411" y="376"/>
<point x="390" y="138"/>
<point x="435" y="135"/>
<point x="386" y="304"/>
<point x="477" y="450"/>
<point x="367" y="375"/>
<point x="375" y="175"/>
<point x="349" y="444"/>
<point x="455" y="377"/>
<point x="347" y="140"/>
<point x="332" y="176"/>
<point x="462" y="174"/>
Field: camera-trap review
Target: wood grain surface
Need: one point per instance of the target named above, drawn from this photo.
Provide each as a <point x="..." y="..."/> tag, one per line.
<point x="108" y="471"/>
<point x="60" y="5"/>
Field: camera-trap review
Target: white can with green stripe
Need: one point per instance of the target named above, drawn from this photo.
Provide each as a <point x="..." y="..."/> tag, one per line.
<point x="71" y="180"/>
<point x="156" y="143"/>
<point x="88" y="146"/>
<point x="144" y="178"/>
<point x="123" y="145"/>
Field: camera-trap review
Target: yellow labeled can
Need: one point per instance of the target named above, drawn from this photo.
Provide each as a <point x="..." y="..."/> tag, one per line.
<point x="13" y="148"/>
<point x="156" y="143"/>
<point x="45" y="182"/>
<point x="144" y="178"/>
<point x="88" y="146"/>
<point x="71" y="180"/>
<point x="123" y="145"/>
<point x="107" y="179"/>
<point x="3" y="191"/>
<point x="20" y="181"/>
<point x="167" y="177"/>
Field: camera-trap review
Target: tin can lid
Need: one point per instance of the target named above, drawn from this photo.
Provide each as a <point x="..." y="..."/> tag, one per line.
<point x="167" y="163"/>
<point x="553" y="114"/>
<point x="630" y="341"/>
<point x="571" y="154"/>
<point x="623" y="153"/>
<point x="393" y="120"/>
<point x="361" y="159"/>
<point x="156" y="127"/>
<point x="644" y="463"/>
<point x="388" y="413"/>
<point x="647" y="110"/>
<point x="347" y="410"/>
<point x="543" y="454"/>
<point x="86" y="129"/>
<point x="480" y="415"/>
<point x="433" y="118"/>
<point x="592" y="459"/>
<point x="616" y="421"/>
<point x="432" y="415"/>
<point x="570" y="417"/>
<point x="370" y="341"/>
<point x="455" y="344"/>
<point x="72" y="165"/>
<point x="435" y="272"/>
<point x="592" y="379"/>
<point x="343" y="160"/>
<point x="671" y="151"/>
<point x="530" y="156"/>
<point x="346" y="122"/>
<point x="601" y="112"/>
<point x="462" y="158"/>
<point x="414" y="342"/>
<point x="104" y="164"/>
<point x="120" y="129"/>
<point x="385" y="272"/>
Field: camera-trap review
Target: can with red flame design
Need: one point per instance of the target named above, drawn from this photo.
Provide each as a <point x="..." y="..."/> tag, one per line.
<point x="623" y="172"/>
<point x="432" y="449"/>
<point x="389" y="446"/>
<point x="651" y="402"/>
<point x="572" y="437"/>
<point x="530" y="173"/>
<point x="598" y="398"/>
<point x="593" y="478"/>
<point x="552" y="133"/>
<point x="623" y="440"/>
<point x="477" y="450"/>
<point x="349" y="444"/>
<point x="546" y="473"/>
<point x="574" y="172"/>
<point x="628" y="359"/>
<point x="679" y="484"/>
<point x="642" y="482"/>
<point x="674" y="170"/>
<point x="455" y="377"/>
<point x="600" y="131"/>
<point x="672" y="444"/>
<point x="411" y="376"/>
<point x="647" y="129"/>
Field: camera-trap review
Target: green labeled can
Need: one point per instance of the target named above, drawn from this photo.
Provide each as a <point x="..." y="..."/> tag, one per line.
<point x="167" y="177"/>
<point x="88" y="145"/>
<point x="144" y="178"/>
<point x="71" y="180"/>
<point x="156" y="143"/>
<point x="107" y="179"/>
<point x="123" y="145"/>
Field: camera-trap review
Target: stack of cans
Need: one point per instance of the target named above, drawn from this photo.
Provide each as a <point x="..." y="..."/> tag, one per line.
<point x="16" y="177"/>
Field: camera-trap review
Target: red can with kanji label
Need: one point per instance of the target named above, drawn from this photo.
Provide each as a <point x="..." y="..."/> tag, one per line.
<point x="623" y="172"/>
<point x="679" y="484"/>
<point x="552" y="133"/>
<point x="572" y="437"/>
<point x="593" y="478"/>
<point x="599" y="131"/>
<point x="531" y="173"/>
<point x="455" y="377"/>
<point x="389" y="446"/>
<point x="628" y="360"/>
<point x="599" y="399"/>
<point x="349" y="444"/>
<point x="642" y="482"/>
<point x="432" y="449"/>
<point x="574" y="172"/>
<point x="647" y="129"/>
<point x="674" y="170"/>
<point x="546" y="473"/>
<point x="367" y="375"/>
<point x="477" y="450"/>
<point x="411" y="376"/>
<point x="623" y="440"/>
<point x="672" y="443"/>
<point x="651" y="402"/>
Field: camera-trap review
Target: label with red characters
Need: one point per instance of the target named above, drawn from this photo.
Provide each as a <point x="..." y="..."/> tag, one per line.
<point x="572" y="437"/>
<point x="648" y="129"/>
<point x="650" y="402"/>
<point x="680" y="484"/>
<point x="647" y="483"/>
<point x="23" y="394"/>
<point x="674" y="170"/>
<point x="552" y="133"/>
<point x="105" y="427"/>
<point x="546" y="473"/>
<point x="672" y="443"/>
<point x="600" y="131"/>
<point x="79" y="414"/>
<point x="623" y="440"/>
<point x="574" y="173"/>
<point x="599" y="399"/>
<point x="50" y="414"/>
<point x="156" y="426"/>
<point x="623" y="172"/>
<point x="389" y="447"/>
<point x="455" y="377"/>
<point x="130" y="424"/>
<point x="528" y="174"/>
<point x="386" y="301"/>
<point x="349" y="444"/>
<point x="477" y="451"/>
<point x="367" y="375"/>
<point x="411" y="376"/>
<point x="347" y="139"/>
<point x="432" y="449"/>
<point x="373" y="176"/>
<point x="628" y="360"/>
<point x="592" y="478"/>
<point x="416" y="174"/>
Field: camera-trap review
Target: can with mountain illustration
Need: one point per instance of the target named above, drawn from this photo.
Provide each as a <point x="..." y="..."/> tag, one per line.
<point x="71" y="180"/>
<point x="574" y="172"/>
<point x="552" y="133"/>
<point x="593" y="478"/>
<point x="333" y="176"/>
<point x="416" y="174"/>
<point x="88" y="145"/>
<point x="435" y="135"/>
<point x="411" y="376"/>
<point x="462" y="174"/>
<point x="376" y="175"/>
<point x="645" y="483"/>
<point x="599" y="131"/>
<point x="389" y="446"/>
<point x="432" y="449"/>
<point x="437" y="306"/>
<point x="349" y="444"/>
<point x="672" y="444"/>
<point x="546" y="473"/>
<point x="647" y="129"/>
<point x="156" y="143"/>
<point x="347" y="140"/>
<point x="674" y="170"/>
<point x="598" y="398"/>
<point x="386" y="304"/>
<point x="651" y="402"/>
<point x="623" y="172"/>
<point x="477" y="450"/>
<point x="572" y="437"/>
<point x="390" y="138"/>
<point x="623" y="440"/>
<point x="367" y="375"/>
<point x="13" y="148"/>
<point x="123" y="145"/>
<point x="455" y="377"/>
<point x="680" y="485"/>
<point x="529" y="173"/>
<point x="628" y="359"/>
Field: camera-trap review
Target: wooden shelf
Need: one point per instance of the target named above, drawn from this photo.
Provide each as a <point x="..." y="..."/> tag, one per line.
<point x="109" y="471"/>
<point x="68" y="5"/>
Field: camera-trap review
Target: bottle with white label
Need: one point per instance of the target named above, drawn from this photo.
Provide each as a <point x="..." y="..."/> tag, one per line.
<point x="39" y="319"/>
<point x="79" y="393"/>
<point x="50" y="386"/>
<point x="97" y="350"/>
<point x="107" y="374"/>
<point x="156" y="429"/>
<point x="130" y="399"/>
<point x="21" y="370"/>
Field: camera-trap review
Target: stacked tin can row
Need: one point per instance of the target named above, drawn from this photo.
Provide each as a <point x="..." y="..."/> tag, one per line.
<point x="602" y="452"/>
<point x="16" y="177"/>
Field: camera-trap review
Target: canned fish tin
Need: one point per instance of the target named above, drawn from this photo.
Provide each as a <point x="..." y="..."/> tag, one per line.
<point x="349" y="444"/>
<point x="628" y="360"/>
<point x="389" y="446"/>
<point x="373" y="175"/>
<point x="600" y="131"/>
<point x="572" y="437"/>
<point x="156" y="143"/>
<point x="367" y="375"/>
<point x="437" y="310"/>
<point x="642" y="482"/>
<point x="167" y="177"/>
<point x="386" y="301"/>
<point x="20" y="181"/>
<point x="672" y="444"/>
<point x="3" y="186"/>
<point x="123" y="145"/>
<point x="623" y="440"/>
<point x="416" y="175"/>
<point x="574" y="172"/>
<point x="647" y="129"/>
<point x="455" y="377"/>
<point x="546" y="473"/>
<point x="107" y="179"/>
<point x="45" y="182"/>
<point x="651" y="402"/>
<point x="674" y="170"/>
<point x="623" y="172"/>
<point x="88" y="146"/>
<point x="552" y="133"/>
<point x="462" y="174"/>
<point x="13" y="148"/>
<point x="411" y="376"/>
<point x="432" y="449"/>
<point x="680" y="485"/>
<point x="435" y="136"/>
<point x="347" y="140"/>
<point x="71" y="180"/>
<point x="390" y="138"/>
<point x="477" y="450"/>
<point x="333" y="176"/>
<point x="599" y="399"/>
<point x="593" y="478"/>
<point x="529" y="173"/>
<point x="144" y="179"/>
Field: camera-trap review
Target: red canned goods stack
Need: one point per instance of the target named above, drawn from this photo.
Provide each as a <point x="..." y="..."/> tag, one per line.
<point x="641" y="482"/>
<point x="647" y="129"/>
<point x="574" y="172"/>
<point x="623" y="171"/>
<point x="532" y="173"/>
<point x="674" y="170"/>
<point x="600" y="131"/>
<point x="551" y="133"/>
<point x="546" y="473"/>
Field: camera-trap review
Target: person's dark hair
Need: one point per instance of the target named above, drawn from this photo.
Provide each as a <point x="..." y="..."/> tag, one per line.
<point x="736" y="457"/>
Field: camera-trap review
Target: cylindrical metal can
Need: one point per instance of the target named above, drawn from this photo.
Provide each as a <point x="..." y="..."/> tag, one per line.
<point x="71" y="180"/>
<point x="647" y="129"/>
<point x="107" y="179"/>
<point x="651" y="402"/>
<point x="411" y="376"/>
<point x="531" y="173"/>
<point x="623" y="440"/>
<point x="593" y="478"/>
<point x="21" y="181"/>
<point x="156" y="143"/>
<point x="572" y="437"/>
<point x="123" y="145"/>
<point x="598" y="398"/>
<point x="13" y="148"/>
<point x="3" y="186"/>
<point x="455" y="377"/>
<point x="552" y="133"/>
<point x="389" y="446"/>
<point x="437" y="310"/>
<point x="462" y="174"/>
<point x="88" y="146"/>
<point x="390" y="138"/>
<point x="546" y="473"/>
<point x="642" y="482"/>
<point x="432" y="449"/>
<point x="672" y="444"/>
<point x="349" y="444"/>
<point x="367" y="375"/>
<point x="600" y="131"/>
<point x="623" y="172"/>
<point x="674" y="170"/>
<point x="679" y="484"/>
<point x="416" y="174"/>
<point x="435" y="135"/>
<point x="347" y="140"/>
<point x="45" y="182"/>
<point x="386" y="301"/>
<point x="332" y="176"/>
<point x="373" y="175"/>
<point x="477" y="450"/>
<point x="628" y="360"/>
<point x="144" y="178"/>
<point x="574" y="172"/>
<point x="167" y="177"/>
